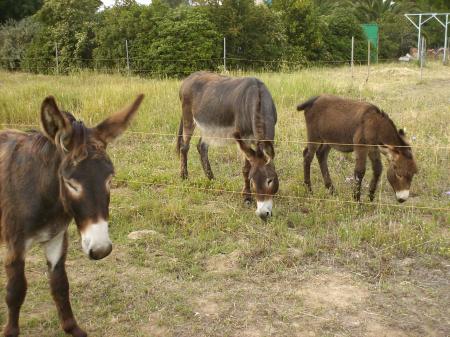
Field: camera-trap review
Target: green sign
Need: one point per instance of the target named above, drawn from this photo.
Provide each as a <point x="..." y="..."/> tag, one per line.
<point x="371" y="32"/>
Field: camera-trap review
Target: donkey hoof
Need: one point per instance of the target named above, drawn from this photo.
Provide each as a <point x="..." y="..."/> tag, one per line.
<point x="77" y="332"/>
<point x="11" y="332"/>
<point x="184" y="175"/>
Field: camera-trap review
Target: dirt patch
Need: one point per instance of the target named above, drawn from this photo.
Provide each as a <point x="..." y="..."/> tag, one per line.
<point x="153" y="327"/>
<point x="223" y="263"/>
<point x="206" y="306"/>
<point x="336" y="289"/>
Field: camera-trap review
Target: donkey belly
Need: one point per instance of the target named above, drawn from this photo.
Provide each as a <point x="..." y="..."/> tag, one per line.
<point x="216" y="135"/>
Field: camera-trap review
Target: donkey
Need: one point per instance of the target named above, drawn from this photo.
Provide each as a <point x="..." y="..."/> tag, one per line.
<point x="347" y="126"/>
<point x="46" y="180"/>
<point x="239" y="109"/>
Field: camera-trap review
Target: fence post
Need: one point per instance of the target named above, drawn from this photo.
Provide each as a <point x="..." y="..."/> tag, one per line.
<point x="368" y="60"/>
<point x="56" y="58"/>
<point x="128" y="60"/>
<point x="224" y="54"/>
<point x="446" y="40"/>
<point x="422" y="48"/>
<point x="352" y="58"/>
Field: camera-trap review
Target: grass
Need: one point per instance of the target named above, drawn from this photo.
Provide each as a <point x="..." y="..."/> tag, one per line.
<point x="323" y="266"/>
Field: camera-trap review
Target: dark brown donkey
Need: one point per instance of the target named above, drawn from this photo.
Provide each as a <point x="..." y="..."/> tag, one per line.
<point x="46" y="180"/>
<point x="240" y="109"/>
<point x="334" y="122"/>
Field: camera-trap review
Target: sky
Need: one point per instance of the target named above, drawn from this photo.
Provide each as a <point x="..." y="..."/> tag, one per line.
<point x="108" y="3"/>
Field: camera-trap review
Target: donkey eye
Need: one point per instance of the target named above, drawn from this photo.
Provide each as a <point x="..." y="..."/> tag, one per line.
<point x="108" y="182"/>
<point x="269" y="181"/>
<point x="73" y="185"/>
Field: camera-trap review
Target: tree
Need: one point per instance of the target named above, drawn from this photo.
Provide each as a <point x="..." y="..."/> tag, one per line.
<point x="18" y="9"/>
<point x="369" y="11"/>
<point x="15" y="37"/>
<point x="185" y="41"/>
<point x="69" y="24"/>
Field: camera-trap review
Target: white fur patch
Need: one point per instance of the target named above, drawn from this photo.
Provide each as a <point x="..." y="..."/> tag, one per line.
<point x="264" y="208"/>
<point x="216" y="135"/>
<point x="54" y="249"/>
<point x="95" y="237"/>
<point x="403" y="194"/>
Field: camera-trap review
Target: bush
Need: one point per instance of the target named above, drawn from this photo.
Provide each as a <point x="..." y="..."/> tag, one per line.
<point x="15" y="37"/>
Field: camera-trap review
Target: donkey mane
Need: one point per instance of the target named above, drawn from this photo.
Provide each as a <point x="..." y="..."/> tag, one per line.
<point x="384" y="115"/>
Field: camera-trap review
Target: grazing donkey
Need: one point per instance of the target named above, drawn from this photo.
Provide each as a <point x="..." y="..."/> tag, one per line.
<point x="334" y="122"/>
<point x="240" y="109"/>
<point x="46" y="180"/>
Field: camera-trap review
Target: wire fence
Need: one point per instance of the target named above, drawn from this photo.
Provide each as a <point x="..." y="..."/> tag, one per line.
<point x="173" y="136"/>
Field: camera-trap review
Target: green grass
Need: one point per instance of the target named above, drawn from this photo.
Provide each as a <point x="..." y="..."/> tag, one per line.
<point x="212" y="268"/>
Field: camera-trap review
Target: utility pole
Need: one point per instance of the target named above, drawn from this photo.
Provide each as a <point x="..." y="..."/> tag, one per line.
<point x="224" y="54"/>
<point x="128" y="60"/>
<point x="56" y="57"/>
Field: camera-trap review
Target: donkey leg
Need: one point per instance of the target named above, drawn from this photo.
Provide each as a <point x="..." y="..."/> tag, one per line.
<point x="322" y="158"/>
<point x="55" y="251"/>
<point x="188" y="130"/>
<point x="246" y="192"/>
<point x="360" y="170"/>
<point x="16" y="289"/>
<point x="308" y="156"/>
<point x="377" y="168"/>
<point x="203" y="151"/>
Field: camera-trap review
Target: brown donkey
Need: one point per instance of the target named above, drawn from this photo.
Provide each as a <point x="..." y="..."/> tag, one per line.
<point x="240" y="109"/>
<point x="334" y="122"/>
<point x="46" y="180"/>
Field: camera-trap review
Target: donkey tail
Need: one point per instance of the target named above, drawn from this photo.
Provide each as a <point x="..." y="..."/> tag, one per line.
<point x="180" y="136"/>
<point x="307" y="104"/>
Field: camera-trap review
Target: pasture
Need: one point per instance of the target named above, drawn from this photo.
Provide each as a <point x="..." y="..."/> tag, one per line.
<point x="208" y="266"/>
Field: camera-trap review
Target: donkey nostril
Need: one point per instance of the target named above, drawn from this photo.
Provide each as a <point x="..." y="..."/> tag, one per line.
<point x="268" y="214"/>
<point x="401" y="200"/>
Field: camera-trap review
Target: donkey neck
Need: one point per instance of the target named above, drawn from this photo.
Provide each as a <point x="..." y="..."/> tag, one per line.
<point x="387" y="132"/>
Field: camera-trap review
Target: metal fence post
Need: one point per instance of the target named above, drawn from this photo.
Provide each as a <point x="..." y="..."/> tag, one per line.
<point x="56" y="58"/>
<point x="352" y="57"/>
<point x="224" y="54"/>
<point x="368" y="60"/>
<point x="128" y="60"/>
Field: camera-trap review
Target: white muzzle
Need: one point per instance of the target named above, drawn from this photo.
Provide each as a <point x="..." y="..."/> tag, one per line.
<point x="264" y="209"/>
<point x="402" y="195"/>
<point x="95" y="240"/>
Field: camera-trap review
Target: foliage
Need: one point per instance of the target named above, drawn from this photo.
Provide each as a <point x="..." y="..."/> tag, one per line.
<point x="18" y="9"/>
<point x="70" y="25"/>
<point x="342" y="25"/>
<point x="15" y="37"/>
<point x="252" y="32"/>
<point x="184" y="41"/>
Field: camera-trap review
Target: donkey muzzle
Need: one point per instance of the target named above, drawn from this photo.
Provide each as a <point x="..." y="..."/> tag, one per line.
<point x="264" y="209"/>
<point x="402" y="196"/>
<point x="95" y="240"/>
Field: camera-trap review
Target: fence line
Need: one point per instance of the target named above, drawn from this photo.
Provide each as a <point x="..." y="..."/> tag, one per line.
<point x="219" y="190"/>
<point x="174" y="135"/>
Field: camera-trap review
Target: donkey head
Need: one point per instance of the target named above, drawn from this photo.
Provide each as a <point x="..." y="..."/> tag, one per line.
<point x="85" y="170"/>
<point x="402" y="167"/>
<point x="263" y="177"/>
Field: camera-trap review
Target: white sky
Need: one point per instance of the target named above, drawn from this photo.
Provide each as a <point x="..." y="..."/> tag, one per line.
<point x="109" y="3"/>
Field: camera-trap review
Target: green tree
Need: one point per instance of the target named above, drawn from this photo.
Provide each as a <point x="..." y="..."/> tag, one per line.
<point x="185" y="41"/>
<point x="69" y="24"/>
<point x="15" y="37"/>
<point x="253" y="33"/>
<point x="18" y="9"/>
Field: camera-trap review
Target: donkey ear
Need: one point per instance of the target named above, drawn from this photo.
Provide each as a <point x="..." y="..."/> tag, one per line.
<point x="55" y="125"/>
<point x="248" y="151"/>
<point x="114" y="126"/>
